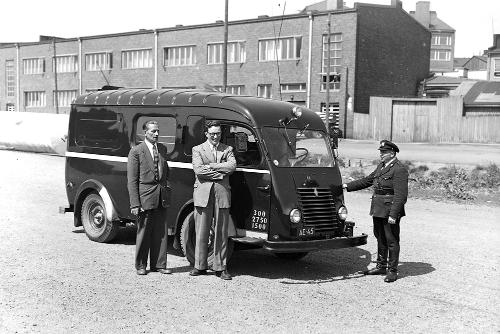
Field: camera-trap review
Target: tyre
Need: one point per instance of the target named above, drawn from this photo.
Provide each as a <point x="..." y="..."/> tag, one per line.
<point x="93" y="214"/>
<point x="291" y="256"/>
<point x="188" y="241"/>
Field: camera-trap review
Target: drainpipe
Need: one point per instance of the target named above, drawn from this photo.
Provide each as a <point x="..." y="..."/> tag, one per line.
<point x="18" y="79"/>
<point x="309" y="61"/>
<point x="80" y="66"/>
<point x="155" y="83"/>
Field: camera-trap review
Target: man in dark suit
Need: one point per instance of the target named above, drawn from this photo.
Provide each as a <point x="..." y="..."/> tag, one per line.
<point x="390" y="191"/>
<point x="147" y="174"/>
<point x="213" y="162"/>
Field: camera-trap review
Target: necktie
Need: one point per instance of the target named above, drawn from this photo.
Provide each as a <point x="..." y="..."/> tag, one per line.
<point x="214" y="149"/>
<point x="155" y="162"/>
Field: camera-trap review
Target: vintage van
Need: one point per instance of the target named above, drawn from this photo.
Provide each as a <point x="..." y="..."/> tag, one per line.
<point x="286" y="191"/>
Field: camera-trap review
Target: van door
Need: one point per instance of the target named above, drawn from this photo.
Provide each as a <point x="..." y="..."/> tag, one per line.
<point x="250" y="183"/>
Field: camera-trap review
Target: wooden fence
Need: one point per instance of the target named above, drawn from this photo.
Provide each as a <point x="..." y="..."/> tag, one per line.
<point x="407" y="120"/>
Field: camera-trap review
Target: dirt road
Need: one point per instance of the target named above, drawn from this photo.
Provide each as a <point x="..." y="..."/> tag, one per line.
<point x="54" y="280"/>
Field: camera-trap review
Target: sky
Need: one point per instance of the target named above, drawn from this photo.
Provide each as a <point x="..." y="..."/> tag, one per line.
<point x="24" y="20"/>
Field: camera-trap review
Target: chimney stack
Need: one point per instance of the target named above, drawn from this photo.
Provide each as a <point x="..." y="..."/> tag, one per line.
<point x="334" y="4"/>
<point x="422" y="13"/>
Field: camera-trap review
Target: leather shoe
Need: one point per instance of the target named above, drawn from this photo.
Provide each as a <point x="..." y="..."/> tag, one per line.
<point x="225" y="275"/>
<point x="197" y="272"/>
<point x="376" y="271"/>
<point x="164" y="271"/>
<point x="391" y="277"/>
<point x="141" y="271"/>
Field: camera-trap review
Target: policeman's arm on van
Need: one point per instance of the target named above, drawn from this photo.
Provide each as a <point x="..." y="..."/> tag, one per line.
<point x="133" y="181"/>
<point x="204" y="171"/>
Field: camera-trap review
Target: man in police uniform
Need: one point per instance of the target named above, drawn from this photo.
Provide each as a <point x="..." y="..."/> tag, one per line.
<point x="390" y="191"/>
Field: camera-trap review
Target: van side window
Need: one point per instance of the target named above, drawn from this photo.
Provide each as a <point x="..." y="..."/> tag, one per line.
<point x="99" y="128"/>
<point x="168" y="128"/>
<point x="245" y="147"/>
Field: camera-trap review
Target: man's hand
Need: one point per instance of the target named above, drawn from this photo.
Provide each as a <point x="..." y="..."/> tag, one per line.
<point x="135" y="211"/>
<point x="391" y="220"/>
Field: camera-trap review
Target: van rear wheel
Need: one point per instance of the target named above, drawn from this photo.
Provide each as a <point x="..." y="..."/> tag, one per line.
<point x="291" y="256"/>
<point x="93" y="214"/>
<point x="188" y="241"/>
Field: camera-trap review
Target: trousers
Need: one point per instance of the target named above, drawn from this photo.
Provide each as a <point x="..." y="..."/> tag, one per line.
<point x="203" y="224"/>
<point x="151" y="238"/>
<point x="387" y="243"/>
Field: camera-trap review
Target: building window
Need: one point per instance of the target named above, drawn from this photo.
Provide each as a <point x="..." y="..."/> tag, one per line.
<point x="65" y="64"/>
<point x="34" y="66"/>
<point x="335" y="61"/>
<point x="10" y="107"/>
<point x="10" y="78"/>
<point x="34" y="99"/>
<point x="232" y="89"/>
<point x="265" y="91"/>
<point x="64" y="97"/>
<point x="235" y="53"/>
<point x="440" y="55"/>
<point x="98" y="61"/>
<point x="293" y="88"/>
<point x="496" y="67"/>
<point x="137" y="59"/>
<point x="441" y="39"/>
<point x="179" y="56"/>
<point x="280" y="48"/>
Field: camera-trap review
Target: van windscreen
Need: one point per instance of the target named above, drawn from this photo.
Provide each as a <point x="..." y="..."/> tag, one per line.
<point x="295" y="148"/>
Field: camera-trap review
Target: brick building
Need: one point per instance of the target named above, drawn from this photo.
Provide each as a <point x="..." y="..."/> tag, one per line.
<point x="375" y="50"/>
<point x="442" y="41"/>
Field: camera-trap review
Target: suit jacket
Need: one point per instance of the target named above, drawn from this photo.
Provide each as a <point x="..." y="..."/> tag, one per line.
<point x="211" y="173"/>
<point x="390" y="189"/>
<point x="144" y="191"/>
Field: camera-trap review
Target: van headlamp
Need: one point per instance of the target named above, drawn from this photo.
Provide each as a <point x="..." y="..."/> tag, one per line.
<point x="342" y="213"/>
<point x="295" y="216"/>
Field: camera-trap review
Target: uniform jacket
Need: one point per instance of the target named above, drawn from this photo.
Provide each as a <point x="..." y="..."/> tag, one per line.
<point x="211" y="173"/>
<point x="144" y="191"/>
<point x="390" y="189"/>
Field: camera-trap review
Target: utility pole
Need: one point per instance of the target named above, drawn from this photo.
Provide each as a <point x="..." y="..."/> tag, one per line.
<point x="56" y="97"/>
<point x="224" y="51"/>
<point x="327" y="111"/>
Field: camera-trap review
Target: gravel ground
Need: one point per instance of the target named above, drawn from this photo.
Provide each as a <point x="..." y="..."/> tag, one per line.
<point x="54" y="280"/>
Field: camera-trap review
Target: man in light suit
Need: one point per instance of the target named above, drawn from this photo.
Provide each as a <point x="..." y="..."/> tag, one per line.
<point x="147" y="174"/>
<point x="213" y="162"/>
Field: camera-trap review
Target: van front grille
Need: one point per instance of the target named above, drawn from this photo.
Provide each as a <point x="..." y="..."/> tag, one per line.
<point x="318" y="209"/>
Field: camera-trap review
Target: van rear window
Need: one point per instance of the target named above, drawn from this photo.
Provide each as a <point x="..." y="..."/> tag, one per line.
<point x="99" y="128"/>
<point x="167" y="125"/>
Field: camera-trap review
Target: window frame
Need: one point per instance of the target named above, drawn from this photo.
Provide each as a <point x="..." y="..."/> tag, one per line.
<point x="10" y="78"/>
<point x="179" y="55"/>
<point x="72" y="66"/>
<point x="239" y="49"/>
<point x="141" y="62"/>
<point x="269" y="51"/>
<point x="268" y="91"/>
<point x="108" y="61"/>
<point x="437" y="52"/>
<point x="38" y="95"/>
<point x="33" y="65"/>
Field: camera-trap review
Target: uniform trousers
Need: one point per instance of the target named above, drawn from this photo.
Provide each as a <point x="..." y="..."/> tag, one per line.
<point x="387" y="243"/>
<point x="152" y="239"/>
<point x="203" y="223"/>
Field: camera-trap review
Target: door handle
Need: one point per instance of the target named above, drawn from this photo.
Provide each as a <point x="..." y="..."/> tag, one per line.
<point x="264" y="188"/>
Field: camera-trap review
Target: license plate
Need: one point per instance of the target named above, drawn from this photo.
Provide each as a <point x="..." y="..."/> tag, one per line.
<point x="306" y="231"/>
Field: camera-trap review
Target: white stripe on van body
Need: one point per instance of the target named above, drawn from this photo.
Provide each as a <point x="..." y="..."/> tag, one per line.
<point x="174" y="164"/>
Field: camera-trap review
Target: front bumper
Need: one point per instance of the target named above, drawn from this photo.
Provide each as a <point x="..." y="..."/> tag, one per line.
<point x="314" y="245"/>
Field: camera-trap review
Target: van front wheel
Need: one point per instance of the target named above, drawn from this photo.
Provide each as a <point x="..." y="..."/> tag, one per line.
<point x="93" y="214"/>
<point x="188" y="241"/>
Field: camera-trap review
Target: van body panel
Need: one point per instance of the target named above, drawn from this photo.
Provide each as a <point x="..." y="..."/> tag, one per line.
<point x="104" y="125"/>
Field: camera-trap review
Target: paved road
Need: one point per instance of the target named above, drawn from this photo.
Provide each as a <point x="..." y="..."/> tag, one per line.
<point x="54" y="280"/>
<point x="459" y="154"/>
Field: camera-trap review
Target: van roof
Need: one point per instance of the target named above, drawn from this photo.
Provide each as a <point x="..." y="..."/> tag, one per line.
<point x="261" y="111"/>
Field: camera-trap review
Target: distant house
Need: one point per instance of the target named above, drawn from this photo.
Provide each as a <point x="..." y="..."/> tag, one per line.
<point x="441" y="86"/>
<point x="443" y="37"/>
<point x="493" y="54"/>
